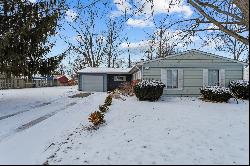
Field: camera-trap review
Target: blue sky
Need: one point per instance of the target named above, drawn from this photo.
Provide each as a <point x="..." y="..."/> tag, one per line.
<point x="136" y="27"/>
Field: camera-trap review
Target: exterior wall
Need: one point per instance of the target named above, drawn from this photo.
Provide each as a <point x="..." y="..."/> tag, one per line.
<point x="111" y="84"/>
<point x="192" y="65"/>
<point x="246" y="73"/>
<point x="136" y="75"/>
<point x="81" y="77"/>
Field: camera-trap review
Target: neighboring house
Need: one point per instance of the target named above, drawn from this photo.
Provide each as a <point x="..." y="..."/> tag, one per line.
<point x="183" y="73"/>
<point x="41" y="81"/>
<point x="102" y="79"/>
<point x="61" y="80"/>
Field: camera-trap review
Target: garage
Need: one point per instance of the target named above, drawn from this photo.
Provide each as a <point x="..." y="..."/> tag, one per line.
<point x="92" y="83"/>
<point x="93" y="79"/>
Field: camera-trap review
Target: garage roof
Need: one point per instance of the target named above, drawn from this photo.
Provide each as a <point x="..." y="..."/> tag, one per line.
<point x="105" y="70"/>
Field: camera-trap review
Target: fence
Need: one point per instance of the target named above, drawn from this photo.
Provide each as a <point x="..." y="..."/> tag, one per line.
<point x="17" y="83"/>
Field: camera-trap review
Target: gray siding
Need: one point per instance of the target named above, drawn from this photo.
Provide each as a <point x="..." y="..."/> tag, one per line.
<point x="192" y="65"/>
<point x="81" y="77"/>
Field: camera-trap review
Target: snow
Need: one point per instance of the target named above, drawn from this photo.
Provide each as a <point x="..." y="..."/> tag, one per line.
<point x="26" y="145"/>
<point x="105" y="70"/>
<point x="170" y="131"/>
<point x="217" y="89"/>
<point x="243" y="83"/>
<point x="152" y="83"/>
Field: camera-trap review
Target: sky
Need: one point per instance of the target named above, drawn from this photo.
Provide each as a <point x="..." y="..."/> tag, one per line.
<point x="136" y="28"/>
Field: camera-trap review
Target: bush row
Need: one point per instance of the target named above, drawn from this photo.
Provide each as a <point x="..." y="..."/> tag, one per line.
<point x="97" y="117"/>
<point x="238" y="89"/>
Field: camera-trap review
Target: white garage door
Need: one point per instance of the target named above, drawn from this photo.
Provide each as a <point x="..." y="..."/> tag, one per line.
<point x="92" y="83"/>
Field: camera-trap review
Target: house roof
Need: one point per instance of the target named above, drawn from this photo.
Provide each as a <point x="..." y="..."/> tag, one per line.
<point x="105" y="70"/>
<point x="199" y="52"/>
<point x="130" y="70"/>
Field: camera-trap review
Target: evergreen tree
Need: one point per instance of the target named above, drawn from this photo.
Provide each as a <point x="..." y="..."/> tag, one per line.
<point x="25" y="32"/>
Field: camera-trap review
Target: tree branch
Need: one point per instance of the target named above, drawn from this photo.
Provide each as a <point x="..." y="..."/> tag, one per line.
<point x="221" y="27"/>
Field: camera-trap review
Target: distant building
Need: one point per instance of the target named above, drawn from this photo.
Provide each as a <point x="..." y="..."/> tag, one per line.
<point x="60" y="80"/>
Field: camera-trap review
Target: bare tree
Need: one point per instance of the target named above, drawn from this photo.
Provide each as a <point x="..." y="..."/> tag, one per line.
<point x="113" y="41"/>
<point x="222" y="14"/>
<point x="229" y="18"/>
<point x="224" y="42"/>
<point x="128" y="50"/>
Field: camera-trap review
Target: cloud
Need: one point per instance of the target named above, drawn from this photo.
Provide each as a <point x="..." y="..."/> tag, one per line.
<point x="141" y="23"/>
<point x="71" y="15"/>
<point x="166" y="6"/>
<point x="159" y="7"/>
<point x="173" y="37"/>
<point x="212" y="26"/>
<point x="122" y="6"/>
<point x="32" y="1"/>
<point x="135" y="45"/>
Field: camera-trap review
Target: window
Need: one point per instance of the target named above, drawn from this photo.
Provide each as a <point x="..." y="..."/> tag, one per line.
<point x="119" y="78"/>
<point x="213" y="77"/>
<point x="172" y="79"/>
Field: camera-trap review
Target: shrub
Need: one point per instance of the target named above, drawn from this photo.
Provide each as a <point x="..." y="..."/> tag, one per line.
<point x="240" y="89"/>
<point x="103" y="108"/>
<point x="216" y="94"/>
<point x="108" y="100"/>
<point x="126" y="89"/>
<point x="96" y="118"/>
<point x="149" y="90"/>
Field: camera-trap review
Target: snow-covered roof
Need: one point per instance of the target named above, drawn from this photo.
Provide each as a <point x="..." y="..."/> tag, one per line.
<point x="105" y="70"/>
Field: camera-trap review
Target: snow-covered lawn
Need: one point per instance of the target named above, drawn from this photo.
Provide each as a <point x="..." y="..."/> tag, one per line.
<point x="170" y="131"/>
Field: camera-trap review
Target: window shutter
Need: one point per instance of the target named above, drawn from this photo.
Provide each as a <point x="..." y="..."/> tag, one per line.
<point x="164" y="76"/>
<point x="205" y="77"/>
<point x="222" y="77"/>
<point x="180" y="79"/>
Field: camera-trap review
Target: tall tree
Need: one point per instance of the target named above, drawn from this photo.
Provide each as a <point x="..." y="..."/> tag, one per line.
<point x="26" y="29"/>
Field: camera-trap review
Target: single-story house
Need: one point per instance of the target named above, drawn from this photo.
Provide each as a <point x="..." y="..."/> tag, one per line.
<point x="183" y="73"/>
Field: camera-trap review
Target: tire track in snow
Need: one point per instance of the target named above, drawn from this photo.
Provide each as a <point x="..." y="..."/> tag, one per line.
<point x="42" y="118"/>
<point x="36" y="121"/>
<point x="30" y="109"/>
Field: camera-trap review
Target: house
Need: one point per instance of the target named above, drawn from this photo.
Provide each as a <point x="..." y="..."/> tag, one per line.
<point x="41" y="81"/>
<point x="61" y="80"/>
<point x="102" y="79"/>
<point x="183" y="73"/>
